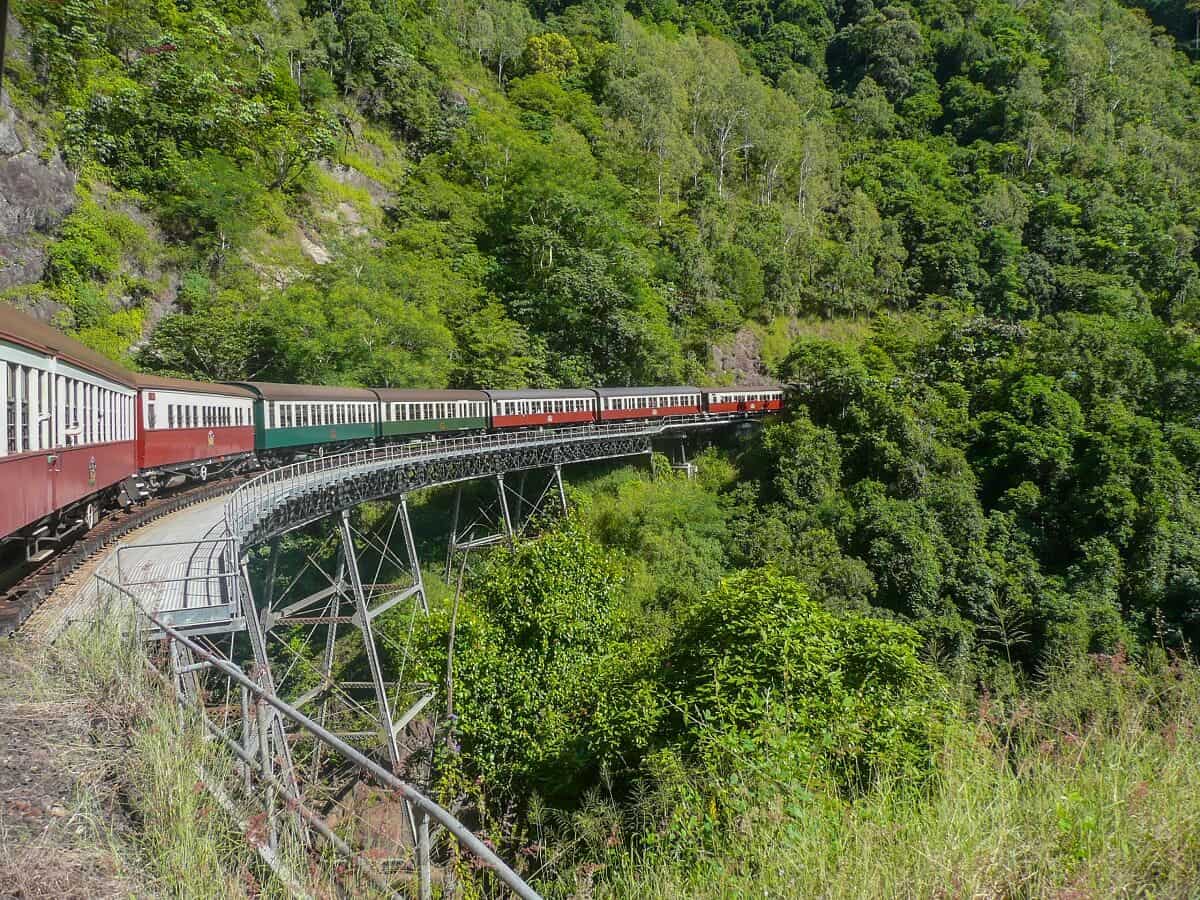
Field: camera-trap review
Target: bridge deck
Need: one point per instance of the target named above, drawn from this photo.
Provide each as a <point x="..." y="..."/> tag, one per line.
<point x="188" y="572"/>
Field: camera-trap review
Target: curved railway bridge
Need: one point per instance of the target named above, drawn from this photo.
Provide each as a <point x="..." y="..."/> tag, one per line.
<point x="233" y="596"/>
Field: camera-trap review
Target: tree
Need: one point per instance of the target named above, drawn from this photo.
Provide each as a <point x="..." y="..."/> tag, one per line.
<point x="550" y="53"/>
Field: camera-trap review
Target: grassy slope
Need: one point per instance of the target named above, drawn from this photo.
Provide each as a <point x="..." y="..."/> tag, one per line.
<point x="116" y="807"/>
<point x="1041" y="800"/>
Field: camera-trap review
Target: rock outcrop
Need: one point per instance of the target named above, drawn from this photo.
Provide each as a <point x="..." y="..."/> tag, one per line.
<point x="35" y="194"/>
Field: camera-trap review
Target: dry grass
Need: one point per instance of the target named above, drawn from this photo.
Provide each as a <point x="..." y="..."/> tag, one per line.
<point x="100" y="772"/>
<point x="63" y="832"/>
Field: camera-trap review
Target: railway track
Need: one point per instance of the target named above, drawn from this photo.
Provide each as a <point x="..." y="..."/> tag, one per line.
<point x="23" y="597"/>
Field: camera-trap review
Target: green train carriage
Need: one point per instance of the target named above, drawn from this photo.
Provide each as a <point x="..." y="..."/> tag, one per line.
<point x="414" y="413"/>
<point x="293" y="416"/>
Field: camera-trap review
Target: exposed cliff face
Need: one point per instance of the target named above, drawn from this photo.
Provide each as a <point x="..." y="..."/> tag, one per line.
<point x="35" y="195"/>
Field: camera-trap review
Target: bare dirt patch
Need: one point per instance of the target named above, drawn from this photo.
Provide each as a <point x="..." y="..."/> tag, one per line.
<point x="62" y="830"/>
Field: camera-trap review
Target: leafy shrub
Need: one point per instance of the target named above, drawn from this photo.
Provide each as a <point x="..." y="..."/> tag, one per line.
<point x="548" y="689"/>
<point x="757" y="654"/>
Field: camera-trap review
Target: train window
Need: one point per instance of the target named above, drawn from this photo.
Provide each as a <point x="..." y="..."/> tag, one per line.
<point x="10" y="408"/>
<point x="23" y="407"/>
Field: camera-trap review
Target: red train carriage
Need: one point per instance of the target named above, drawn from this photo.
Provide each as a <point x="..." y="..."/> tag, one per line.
<point x="743" y="400"/>
<point x="533" y="408"/>
<point x="66" y="433"/>
<point x="191" y="428"/>
<point x="617" y="404"/>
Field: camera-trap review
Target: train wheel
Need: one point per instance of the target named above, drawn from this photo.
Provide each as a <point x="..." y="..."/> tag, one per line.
<point x="202" y="475"/>
<point x="91" y="516"/>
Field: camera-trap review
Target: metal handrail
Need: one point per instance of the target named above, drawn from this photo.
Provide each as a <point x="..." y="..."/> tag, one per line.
<point x="275" y="485"/>
<point x="466" y="838"/>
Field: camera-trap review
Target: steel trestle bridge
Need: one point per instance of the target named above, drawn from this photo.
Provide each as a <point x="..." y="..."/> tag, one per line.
<point x="233" y="651"/>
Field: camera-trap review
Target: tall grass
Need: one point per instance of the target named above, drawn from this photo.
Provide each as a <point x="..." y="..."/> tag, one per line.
<point x="1086" y="787"/>
<point x="188" y="845"/>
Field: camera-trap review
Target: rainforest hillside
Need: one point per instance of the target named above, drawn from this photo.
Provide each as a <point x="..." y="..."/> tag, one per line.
<point x="928" y="632"/>
<point x="498" y="192"/>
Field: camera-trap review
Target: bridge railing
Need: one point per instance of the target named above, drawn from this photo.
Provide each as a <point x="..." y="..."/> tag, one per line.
<point x="269" y="488"/>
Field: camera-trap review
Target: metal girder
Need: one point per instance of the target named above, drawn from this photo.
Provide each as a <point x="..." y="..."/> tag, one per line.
<point x="364" y="625"/>
<point x="379" y="481"/>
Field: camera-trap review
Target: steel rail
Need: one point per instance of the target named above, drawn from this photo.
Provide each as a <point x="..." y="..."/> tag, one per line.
<point x="462" y="834"/>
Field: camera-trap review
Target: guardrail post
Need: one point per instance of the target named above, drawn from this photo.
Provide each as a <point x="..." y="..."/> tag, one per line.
<point x="265" y="714"/>
<point x="258" y="646"/>
<point x="424" y="876"/>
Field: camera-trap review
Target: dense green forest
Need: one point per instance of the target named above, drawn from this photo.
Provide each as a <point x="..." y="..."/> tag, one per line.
<point x="964" y="563"/>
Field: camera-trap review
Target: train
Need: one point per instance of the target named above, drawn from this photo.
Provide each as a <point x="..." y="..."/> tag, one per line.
<point x="81" y="435"/>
